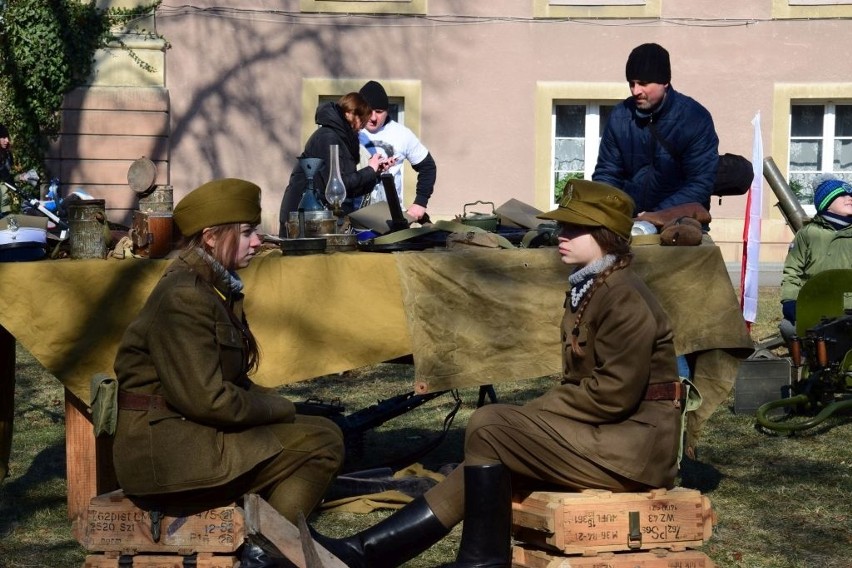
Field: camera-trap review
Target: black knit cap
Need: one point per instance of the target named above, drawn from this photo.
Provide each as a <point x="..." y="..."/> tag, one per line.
<point x="649" y="63"/>
<point x="4" y="132"/>
<point x="375" y="95"/>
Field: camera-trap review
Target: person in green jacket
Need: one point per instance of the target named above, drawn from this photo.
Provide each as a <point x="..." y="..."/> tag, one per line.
<point x="611" y="422"/>
<point x="192" y="427"/>
<point x="823" y="244"/>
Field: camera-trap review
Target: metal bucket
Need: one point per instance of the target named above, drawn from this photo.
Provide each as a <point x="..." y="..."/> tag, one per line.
<point x="317" y="223"/>
<point x="88" y="228"/>
<point x="160" y="200"/>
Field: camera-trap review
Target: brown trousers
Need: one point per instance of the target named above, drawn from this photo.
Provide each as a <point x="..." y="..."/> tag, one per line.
<point x="292" y="481"/>
<point x="508" y="434"/>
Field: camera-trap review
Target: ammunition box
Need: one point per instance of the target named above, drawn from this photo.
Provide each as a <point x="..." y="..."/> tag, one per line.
<point x="592" y="521"/>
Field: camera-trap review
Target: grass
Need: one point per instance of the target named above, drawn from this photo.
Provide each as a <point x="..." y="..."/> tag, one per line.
<point x="782" y="501"/>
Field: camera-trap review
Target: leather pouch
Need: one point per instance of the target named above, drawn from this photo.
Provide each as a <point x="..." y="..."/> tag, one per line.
<point x="104" y="393"/>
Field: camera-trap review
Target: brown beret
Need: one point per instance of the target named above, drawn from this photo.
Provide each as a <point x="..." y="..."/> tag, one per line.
<point x="594" y="204"/>
<point x="218" y="202"/>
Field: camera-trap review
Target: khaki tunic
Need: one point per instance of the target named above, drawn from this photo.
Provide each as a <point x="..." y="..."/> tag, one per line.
<point x="185" y="346"/>
<point x="595" y="430"/>
<point x="599" y="409"/>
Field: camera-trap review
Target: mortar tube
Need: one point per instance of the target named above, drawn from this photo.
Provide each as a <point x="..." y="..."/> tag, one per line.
<point x="789" y="205"/>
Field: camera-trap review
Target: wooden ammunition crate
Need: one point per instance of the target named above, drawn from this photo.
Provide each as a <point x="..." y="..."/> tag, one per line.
<point x="113" y="523"/>
<point x="600" y="521"/>
<point x="203" y="560"/>
<point x="524" y="557"/>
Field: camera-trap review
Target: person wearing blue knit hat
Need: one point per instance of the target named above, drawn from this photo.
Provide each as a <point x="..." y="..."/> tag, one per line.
<point x="823" y="244"/>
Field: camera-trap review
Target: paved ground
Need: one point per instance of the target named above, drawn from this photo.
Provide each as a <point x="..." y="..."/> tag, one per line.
<point x="770" y="273"/>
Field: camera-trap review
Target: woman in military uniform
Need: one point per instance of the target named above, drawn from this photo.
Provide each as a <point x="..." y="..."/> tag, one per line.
<point x="192" y="427"/>
<point x="613" y="422"/>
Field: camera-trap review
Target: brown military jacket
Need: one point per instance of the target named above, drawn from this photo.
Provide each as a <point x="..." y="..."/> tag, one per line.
<point x="599" y="409"/>
<point x="184" y="346"/>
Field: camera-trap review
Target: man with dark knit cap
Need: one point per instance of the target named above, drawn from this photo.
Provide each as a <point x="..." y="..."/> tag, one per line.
<point x="659" y="145"/>
<point x="396" y="143"/>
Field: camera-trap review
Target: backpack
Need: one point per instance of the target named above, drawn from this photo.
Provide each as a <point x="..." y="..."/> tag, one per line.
<point x="733" y="176"/>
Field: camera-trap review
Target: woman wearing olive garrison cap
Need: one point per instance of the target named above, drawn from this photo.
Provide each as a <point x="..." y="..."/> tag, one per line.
<point x="613" y="422"/>
<point x="192" y="427"/>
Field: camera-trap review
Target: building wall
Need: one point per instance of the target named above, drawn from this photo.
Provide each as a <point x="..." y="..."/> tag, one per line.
<point x="119" y="116"/>
<point x="242" y="83"/>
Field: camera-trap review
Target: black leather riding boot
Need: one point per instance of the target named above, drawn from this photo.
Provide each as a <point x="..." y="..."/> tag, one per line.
<point x="487" y="529"/>
<point x="392" y="541"/>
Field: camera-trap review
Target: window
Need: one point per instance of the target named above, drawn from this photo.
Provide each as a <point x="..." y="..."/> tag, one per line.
<point x="364" y="6"/>
<point x="569" y="119"/>
<point x="820" y="142"/>
<point x="784" y="9"/>
<point x="596" y="8"/>
<point x="577" y="129"/>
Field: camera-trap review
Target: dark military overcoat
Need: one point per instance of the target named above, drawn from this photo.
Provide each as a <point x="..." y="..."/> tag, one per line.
<point x="185" y="346"/>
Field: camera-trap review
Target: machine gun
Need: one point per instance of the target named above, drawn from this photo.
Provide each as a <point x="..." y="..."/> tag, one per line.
<point x="821" y="355"/>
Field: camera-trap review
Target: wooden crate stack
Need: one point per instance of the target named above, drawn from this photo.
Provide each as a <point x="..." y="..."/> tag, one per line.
<point x="600" y="529"/>
<point x="118" y="533"/>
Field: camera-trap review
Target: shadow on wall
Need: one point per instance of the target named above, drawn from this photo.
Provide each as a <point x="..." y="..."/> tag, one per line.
<point x="235" y="83"/>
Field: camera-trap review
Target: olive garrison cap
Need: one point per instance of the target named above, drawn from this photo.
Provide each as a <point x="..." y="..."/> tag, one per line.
<point x="594" y="204"/>
<point x="218" y="202"/>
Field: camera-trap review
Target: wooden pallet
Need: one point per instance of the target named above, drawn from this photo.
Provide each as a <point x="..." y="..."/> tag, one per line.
<point x="525" y="557"/>
<point x="590" y="522"/>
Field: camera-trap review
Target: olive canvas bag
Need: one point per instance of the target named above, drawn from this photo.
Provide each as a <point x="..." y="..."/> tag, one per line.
<point x="104" y="395"/>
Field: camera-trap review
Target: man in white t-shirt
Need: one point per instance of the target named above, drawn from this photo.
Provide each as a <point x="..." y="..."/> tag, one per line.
<point x="396" y="143"/>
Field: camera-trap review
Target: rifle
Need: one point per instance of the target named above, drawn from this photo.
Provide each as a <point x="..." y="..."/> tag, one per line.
<point x="356" y="424"/>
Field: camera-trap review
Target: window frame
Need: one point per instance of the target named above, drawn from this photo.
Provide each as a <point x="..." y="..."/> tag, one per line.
<point x="364" y="6"/>
<point x="784" y="96"/>
<point x="549" y="94"/>
<point x="828" y="140"/>
<point x="787" y="9"/>
<point x="580" y="9"/>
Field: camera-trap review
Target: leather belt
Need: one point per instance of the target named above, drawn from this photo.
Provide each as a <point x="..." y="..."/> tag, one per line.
<point x="667" y="391"/>
<point x="134" y="401"/>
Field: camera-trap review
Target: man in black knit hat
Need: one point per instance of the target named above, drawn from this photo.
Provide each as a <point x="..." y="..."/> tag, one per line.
<point x="396" y="143"/>
<point x="659" y="145"/>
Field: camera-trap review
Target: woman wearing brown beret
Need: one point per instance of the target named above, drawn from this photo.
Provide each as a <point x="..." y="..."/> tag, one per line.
<point x="613" y="422"/>
<point x="192" y="427"/>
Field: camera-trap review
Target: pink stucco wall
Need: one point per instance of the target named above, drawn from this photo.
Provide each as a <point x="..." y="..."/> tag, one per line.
<point x="234" y="79"/>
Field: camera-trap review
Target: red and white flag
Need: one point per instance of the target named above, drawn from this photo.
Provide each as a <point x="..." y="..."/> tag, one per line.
<point x="751" y="231"/>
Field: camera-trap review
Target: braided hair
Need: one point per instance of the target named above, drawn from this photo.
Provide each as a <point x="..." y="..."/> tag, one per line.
<point x="610" y="243"/>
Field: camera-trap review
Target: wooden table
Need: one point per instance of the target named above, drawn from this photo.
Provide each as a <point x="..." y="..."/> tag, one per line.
<point x="470" y="317"/>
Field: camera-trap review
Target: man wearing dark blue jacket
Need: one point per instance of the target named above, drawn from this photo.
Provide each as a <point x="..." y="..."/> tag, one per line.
<point x="659" y="146"/>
